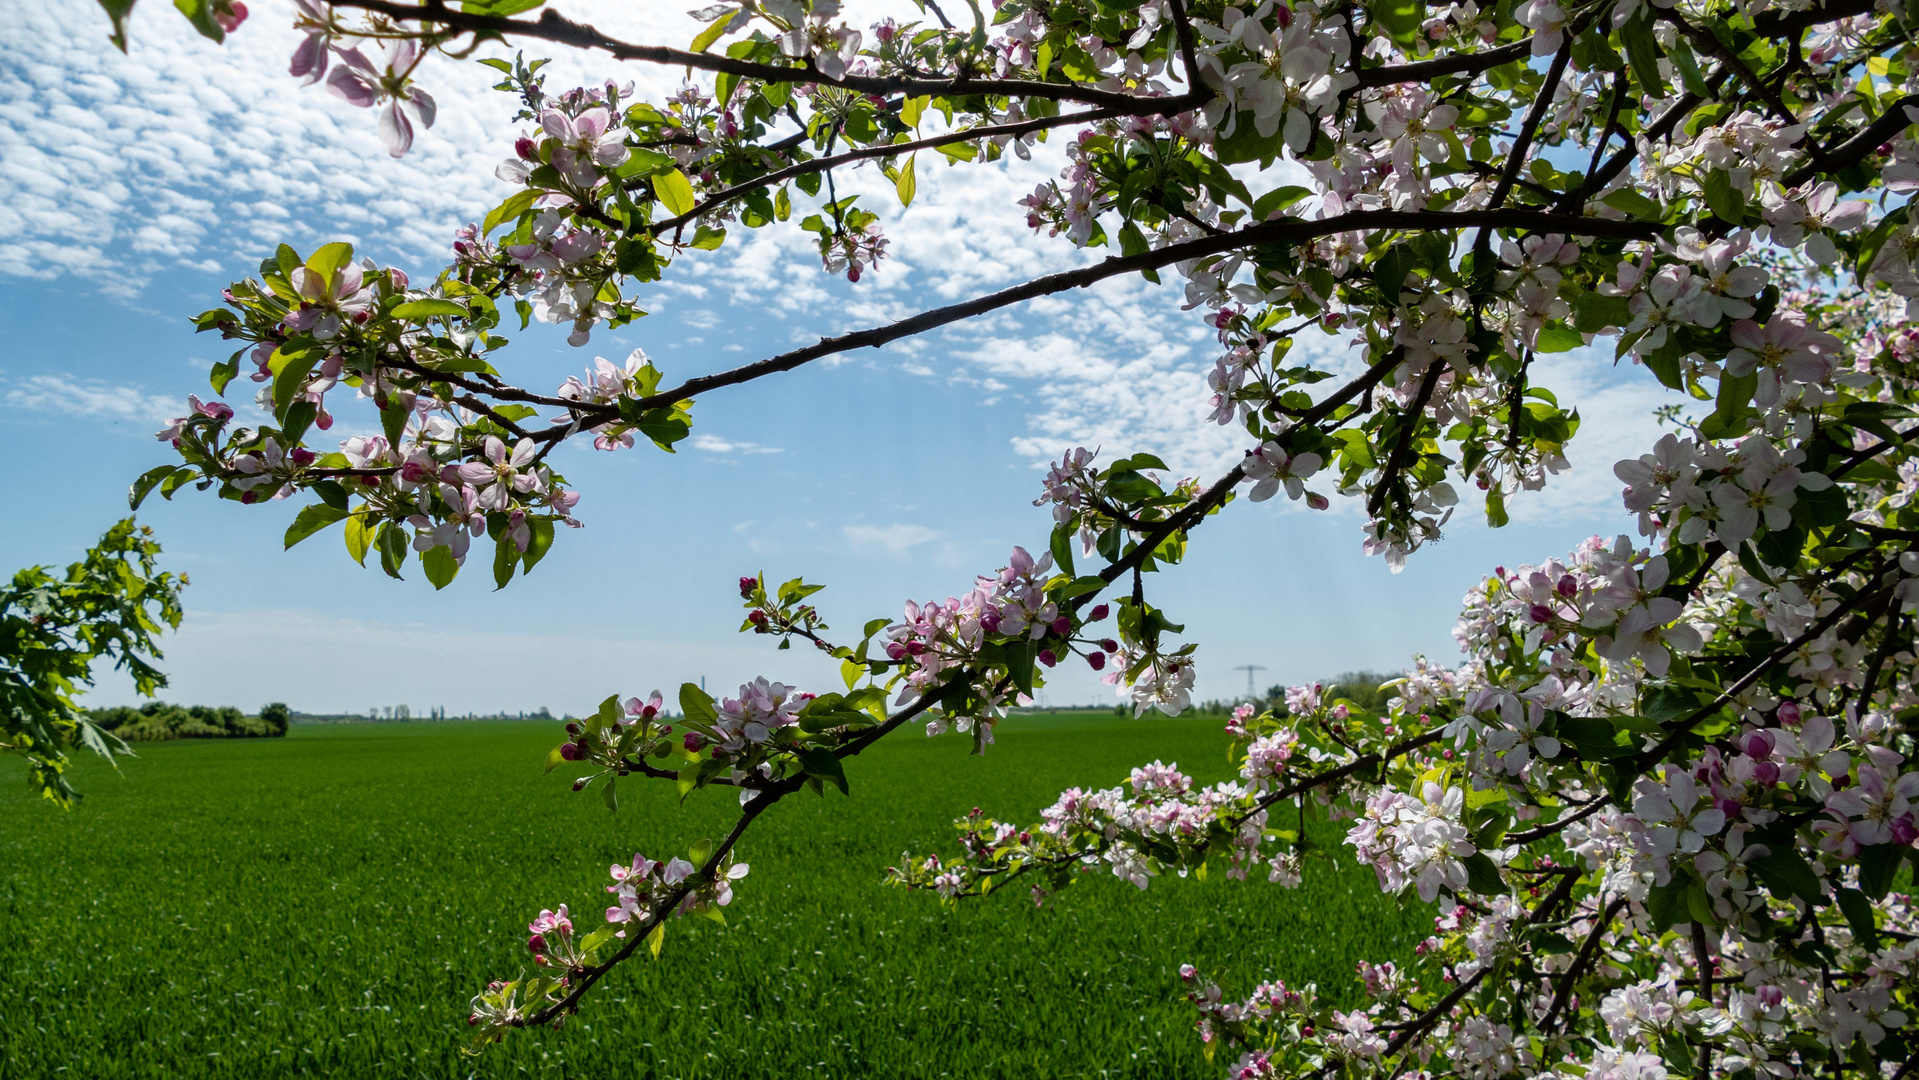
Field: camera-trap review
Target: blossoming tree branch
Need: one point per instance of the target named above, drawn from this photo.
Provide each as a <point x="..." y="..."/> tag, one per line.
<point x="1661" y="807"/>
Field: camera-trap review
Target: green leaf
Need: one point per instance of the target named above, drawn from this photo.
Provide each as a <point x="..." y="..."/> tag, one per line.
<point x="505" y="556"/>
<point x="290" y="378"/>
<point x="331" y="493"/>
<point x="912" y="109"/>
<point x="655" y="939"/>
<point x="428" y="308"/>
<point x="440" y="566"/>
<point x="1062" y="548"/>
<point x="1496" y="515"/>
<point x="1858" y="912"/>
<point x="1558" y="338"/>
<point x="1728" y="203"/>
<point x="200" y="14"/>
<point x="1278" y="199"/>
<point x="553" y="759"/>
<point x="1593" y="738"/>
<point x="1593" y="313"/>
<point x="1666" y="902"/>
<point x="712" y="33"/>
<point x="1628" y="201"/>
<point x="118" y="10"/>
<point x="608" y="796"/>
<point x="696" y="704"/>
<point x="1401" y="18"/>
<point x="1019" y="664"/>
<point x="300" y="416"/>
<point x="393" y="548"/>
<point x="675" y="192"/>
<point x="312" y="519"/>
<point x="1642" y="52"/>
<point x="359" y="536"/>
<point x="516" y="204"/>
<point x="539" y="542"/>
<point x="222" y="374"/>
<point x="1482" y="875"/>
<point x="1785" y="873"/>
<point x="708" y="238"/>
<point x="499" y="8"/>
<point x="330" y="259"/>
<point x="906" y="185"/>
<point x="142" y="487"/>
<point x="1878" y="866"/>
<point x="823" y="763"/>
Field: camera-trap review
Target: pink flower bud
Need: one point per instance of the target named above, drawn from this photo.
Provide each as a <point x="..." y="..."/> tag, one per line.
<point x="747" y="585"/>
<point x="1046" y="657"/>
<point x="1109" y="645"/>
<point x="580" y="784"/>
<point x="1540" y="613"/>
<point x="1567" y="586"/>
<point x="1188" y="972"/>
<point x="472" y="1020"/>
<point x="536" y="943"/>
<point x="303" y="457"/>
<point x="1766" y="773"/>
<point x="570" y="751"/>
<point x="1062" y="625"/>
<point x="1759" y="745"/>
<point x="989" y="622"/>
<point x="231" y="18"/>
<point x="1729" y="806"/>
<point x="1098" y="613"/>
<point x="1789" y="713"/>
<point x="895" y="651"/>
<point x="1904" y="831"/>
<point x="526" y="148"/>
<point x="1096" y="661"/>
<point x="692" y="742"/>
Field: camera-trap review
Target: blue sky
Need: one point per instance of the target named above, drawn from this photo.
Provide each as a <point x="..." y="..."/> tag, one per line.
<point x="132" y="189"/>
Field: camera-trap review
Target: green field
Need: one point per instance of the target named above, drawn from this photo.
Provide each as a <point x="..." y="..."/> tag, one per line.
<point x="325" y="904"/>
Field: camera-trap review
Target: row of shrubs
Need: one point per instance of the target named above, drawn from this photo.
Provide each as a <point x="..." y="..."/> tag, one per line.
<point x="159" y="720"/>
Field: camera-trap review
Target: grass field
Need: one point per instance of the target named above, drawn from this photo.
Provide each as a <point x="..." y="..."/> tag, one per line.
<point x="325" y="904"/>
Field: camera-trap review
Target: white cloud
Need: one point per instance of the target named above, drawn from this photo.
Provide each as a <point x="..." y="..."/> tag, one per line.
<point x="67" y="396"/>
<point x="713" y="444"/>
<point x="114" y="168"/>
<point x="893" y="539"/>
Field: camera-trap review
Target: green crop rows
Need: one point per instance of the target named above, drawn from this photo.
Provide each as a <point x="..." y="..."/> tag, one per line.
<point x="324" y="905"/>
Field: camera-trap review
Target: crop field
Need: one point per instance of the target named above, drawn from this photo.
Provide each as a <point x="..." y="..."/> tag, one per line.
<point x="325" y="904"/>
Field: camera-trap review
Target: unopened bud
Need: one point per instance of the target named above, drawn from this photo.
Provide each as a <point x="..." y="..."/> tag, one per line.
<point x="1046" y="657"/>
<point x="1096" y="660"/>
<point x="1109" y="645"/>
<point x="526" y="148"/>
<point x="1063" y="625"/>
<point x="570" y="751"/>
<point x="1098" y="613"/>
<point x="747" y="585"/>
<point x="692" y="742"/>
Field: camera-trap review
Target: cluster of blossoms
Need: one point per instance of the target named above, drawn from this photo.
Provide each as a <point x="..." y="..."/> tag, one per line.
<point x="646" y="892"/>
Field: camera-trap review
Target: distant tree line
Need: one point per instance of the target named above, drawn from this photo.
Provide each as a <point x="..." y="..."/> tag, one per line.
<point x="156" y="721"/>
